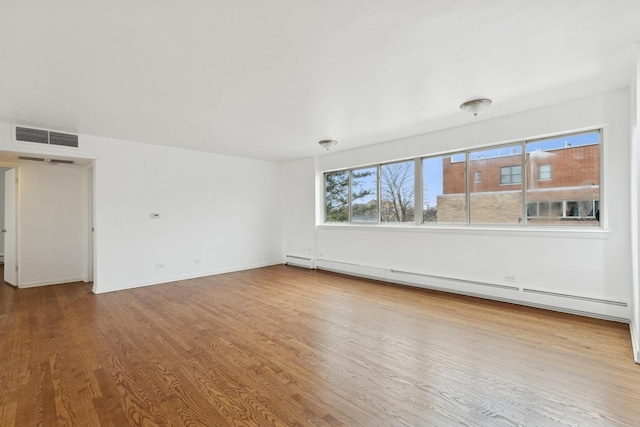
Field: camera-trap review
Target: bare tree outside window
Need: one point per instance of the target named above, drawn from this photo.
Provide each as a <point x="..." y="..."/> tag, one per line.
<point x="397" y="187"/>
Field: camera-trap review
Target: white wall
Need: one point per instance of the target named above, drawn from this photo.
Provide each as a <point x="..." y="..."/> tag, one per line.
<point x="299" y="212"/>
<point x="52" y="226"/>
<point x="224" y="211"/>
<point x="635" y="201"/>
<point x="591" y="265"/>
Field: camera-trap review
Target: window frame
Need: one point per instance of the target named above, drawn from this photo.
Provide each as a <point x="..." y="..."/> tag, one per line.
<point x="524" y="172"/>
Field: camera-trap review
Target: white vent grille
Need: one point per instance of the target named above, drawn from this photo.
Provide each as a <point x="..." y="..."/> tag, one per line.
<point x="41" y="136"/>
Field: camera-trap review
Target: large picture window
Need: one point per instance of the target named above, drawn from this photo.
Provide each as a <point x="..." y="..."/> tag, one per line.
<point x="546" y="182"/>
<point x="498" y="199"/>
<point x="364" y="195"/>
<point x="571" y="194"/>
<point x="397" y="192"/>
<point x="336" y="196"/>
<point x="444" y="187"/>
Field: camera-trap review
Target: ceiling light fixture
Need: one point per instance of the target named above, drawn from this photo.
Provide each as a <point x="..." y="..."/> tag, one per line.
<point x="476" y="106"/>
<point x="327" y="143"/>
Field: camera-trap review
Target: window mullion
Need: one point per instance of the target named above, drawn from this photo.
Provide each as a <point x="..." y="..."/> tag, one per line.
<point x="379" y="192"/>
<point x="418" y="216"/>
<point x="524" y="179"/>
<point x="350" y="191"/>
<point x="467" y="168"/>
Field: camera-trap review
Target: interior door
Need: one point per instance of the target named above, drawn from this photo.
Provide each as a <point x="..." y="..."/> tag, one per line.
<point x="9" y="230"/>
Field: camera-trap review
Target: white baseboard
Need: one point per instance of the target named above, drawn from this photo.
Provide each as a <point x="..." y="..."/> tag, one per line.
<point x="635" y="341"/>
<point x="59" y="281"/>
<point x="618" y="311"/>
<point x="101" y="289"/>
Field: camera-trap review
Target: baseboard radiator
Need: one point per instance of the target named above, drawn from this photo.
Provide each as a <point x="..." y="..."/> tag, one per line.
<point x="298" y="261"/>
<point x="602" y="308"/>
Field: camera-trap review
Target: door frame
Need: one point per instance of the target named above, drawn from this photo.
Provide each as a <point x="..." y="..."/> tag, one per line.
<point x="90" y="227"/>
<point x="90" y="238"/>
<point x="16" y="226"/>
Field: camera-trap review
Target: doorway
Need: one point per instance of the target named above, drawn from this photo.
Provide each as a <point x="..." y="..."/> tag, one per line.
<point x="9" y="219"/>
<point x="48" y="221"/>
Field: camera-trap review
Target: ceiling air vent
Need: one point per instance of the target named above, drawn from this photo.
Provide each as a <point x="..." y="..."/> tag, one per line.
<point x="45" y="137"/>
<point x="35" y="159"/>
<point x="61" y="162"/>
<point x="66" y="139"/>
<point x="32" y="135"/>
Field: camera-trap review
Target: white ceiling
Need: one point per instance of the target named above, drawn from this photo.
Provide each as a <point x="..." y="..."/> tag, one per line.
<point x="268" y="79"/>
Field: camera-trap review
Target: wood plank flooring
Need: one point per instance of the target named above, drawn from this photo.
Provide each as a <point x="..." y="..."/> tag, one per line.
<point x="284" y="346"/>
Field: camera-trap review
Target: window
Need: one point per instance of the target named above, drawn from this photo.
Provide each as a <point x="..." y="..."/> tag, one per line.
<point x="548" y="182"/>
<point x="511" y="175"/>
<point x="593" y="208"/>
<point x="336" y="196"/>
<point x="364" y="195"/>
<point x="572" y="209"/>
<point x="444" y="188"/>
<point x="571" y="197"/>
<point x="544" y="172"/>
<point x="397" y="192"/>
<point x="490" y="201"/>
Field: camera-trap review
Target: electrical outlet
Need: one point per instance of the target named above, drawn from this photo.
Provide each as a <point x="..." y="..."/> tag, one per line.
<point x="196" y="261"/>
<point x="509" y="278"/>
<point x="159" y="265"/>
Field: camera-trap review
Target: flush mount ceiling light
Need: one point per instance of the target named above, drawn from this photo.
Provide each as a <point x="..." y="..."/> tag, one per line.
<point x="476" y="106"/>
<point x="327" y="143"/>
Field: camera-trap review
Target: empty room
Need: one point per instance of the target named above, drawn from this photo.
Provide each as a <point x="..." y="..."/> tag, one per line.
<point x="320" y="213"/>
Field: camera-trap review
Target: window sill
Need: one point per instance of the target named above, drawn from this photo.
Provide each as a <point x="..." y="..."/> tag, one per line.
<point x="515" y="231"/>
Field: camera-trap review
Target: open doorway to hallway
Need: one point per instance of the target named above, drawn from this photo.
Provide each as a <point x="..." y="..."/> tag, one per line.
<point x="52" y="220"/>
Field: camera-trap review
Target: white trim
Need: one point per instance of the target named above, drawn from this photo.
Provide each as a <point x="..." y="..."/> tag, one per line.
<point x="170" y="279"/>
<point x="513" y="231"/>
<point x="635" y="342"/>
<point x="58" y="281"/>
<point x="590" y="306"/>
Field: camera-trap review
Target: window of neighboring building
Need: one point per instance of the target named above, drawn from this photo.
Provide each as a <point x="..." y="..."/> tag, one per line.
<point x="544" y="172"/>
<point x="511" y="174"/>
<point x="572" y="209"/>
<point x="444" y="189"/>
<point x="364" y="195"/>
<point x="477" y="177"/>
<point x="397" y="192"/>
<point x="593" y="208"/>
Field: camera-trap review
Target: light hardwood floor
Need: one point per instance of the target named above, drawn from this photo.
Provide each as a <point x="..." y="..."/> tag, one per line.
<point x="286" y="346"/>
